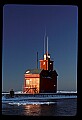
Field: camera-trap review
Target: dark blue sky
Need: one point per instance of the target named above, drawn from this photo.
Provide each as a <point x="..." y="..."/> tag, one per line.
<point x="23" y="35"/>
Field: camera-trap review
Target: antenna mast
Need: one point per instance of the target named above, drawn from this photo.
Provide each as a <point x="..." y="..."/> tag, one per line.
<point x="44" y="44"/>
<point x="47" y="46"/>
<point x="37" y="60"/>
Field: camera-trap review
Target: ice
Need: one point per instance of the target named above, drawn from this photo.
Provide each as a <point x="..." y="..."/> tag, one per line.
<point x="32" y="100"/>
<point x="33" y="103"/>
<point x="19" y="92"/>
<point x="62" y="91"/>
<point x="23" y="100"/>
<point x="5" y="100"/>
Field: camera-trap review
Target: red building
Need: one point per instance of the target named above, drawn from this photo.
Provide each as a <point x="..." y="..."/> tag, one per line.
<point x="43" y="80"/>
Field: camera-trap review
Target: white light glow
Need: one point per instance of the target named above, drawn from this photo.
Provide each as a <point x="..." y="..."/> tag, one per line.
<point x="44" y="63"/>
<point x="27" y="71"/>
<point x="48" y="56"/>
<point x="44" y="57"/>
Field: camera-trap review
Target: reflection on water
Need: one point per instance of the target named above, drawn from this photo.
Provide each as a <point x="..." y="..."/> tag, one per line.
<point x="67" y="107"/>
<point x="32" y="110"/>
<point x="39" y="110"/>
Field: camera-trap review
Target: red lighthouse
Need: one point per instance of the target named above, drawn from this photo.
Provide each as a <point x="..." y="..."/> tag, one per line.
<point x="43" y="80"/>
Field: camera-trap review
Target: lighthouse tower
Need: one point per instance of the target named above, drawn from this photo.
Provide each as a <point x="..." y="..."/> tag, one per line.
<point x="48" y="76"/>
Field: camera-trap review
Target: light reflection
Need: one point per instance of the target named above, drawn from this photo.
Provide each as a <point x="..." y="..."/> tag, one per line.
<point x="36" y="108"/>
<point x="32" y="110"/>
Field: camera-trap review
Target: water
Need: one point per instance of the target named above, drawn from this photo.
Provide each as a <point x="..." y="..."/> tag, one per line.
<point x="62" y="107"/>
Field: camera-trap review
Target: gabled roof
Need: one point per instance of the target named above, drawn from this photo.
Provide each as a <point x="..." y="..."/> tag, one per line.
<point x="33" y="71"/>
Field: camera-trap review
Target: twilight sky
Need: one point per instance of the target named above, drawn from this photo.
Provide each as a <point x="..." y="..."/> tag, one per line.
<point x="23" y="35"/>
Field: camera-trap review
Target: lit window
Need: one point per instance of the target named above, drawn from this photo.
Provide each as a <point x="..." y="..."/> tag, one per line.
<point x="27" y="82"/>
<point x="44" y="63"/>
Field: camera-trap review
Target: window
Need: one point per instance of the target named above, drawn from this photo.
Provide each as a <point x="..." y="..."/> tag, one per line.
<point x="27" y="82"/>
<point x="43" y="63"/>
